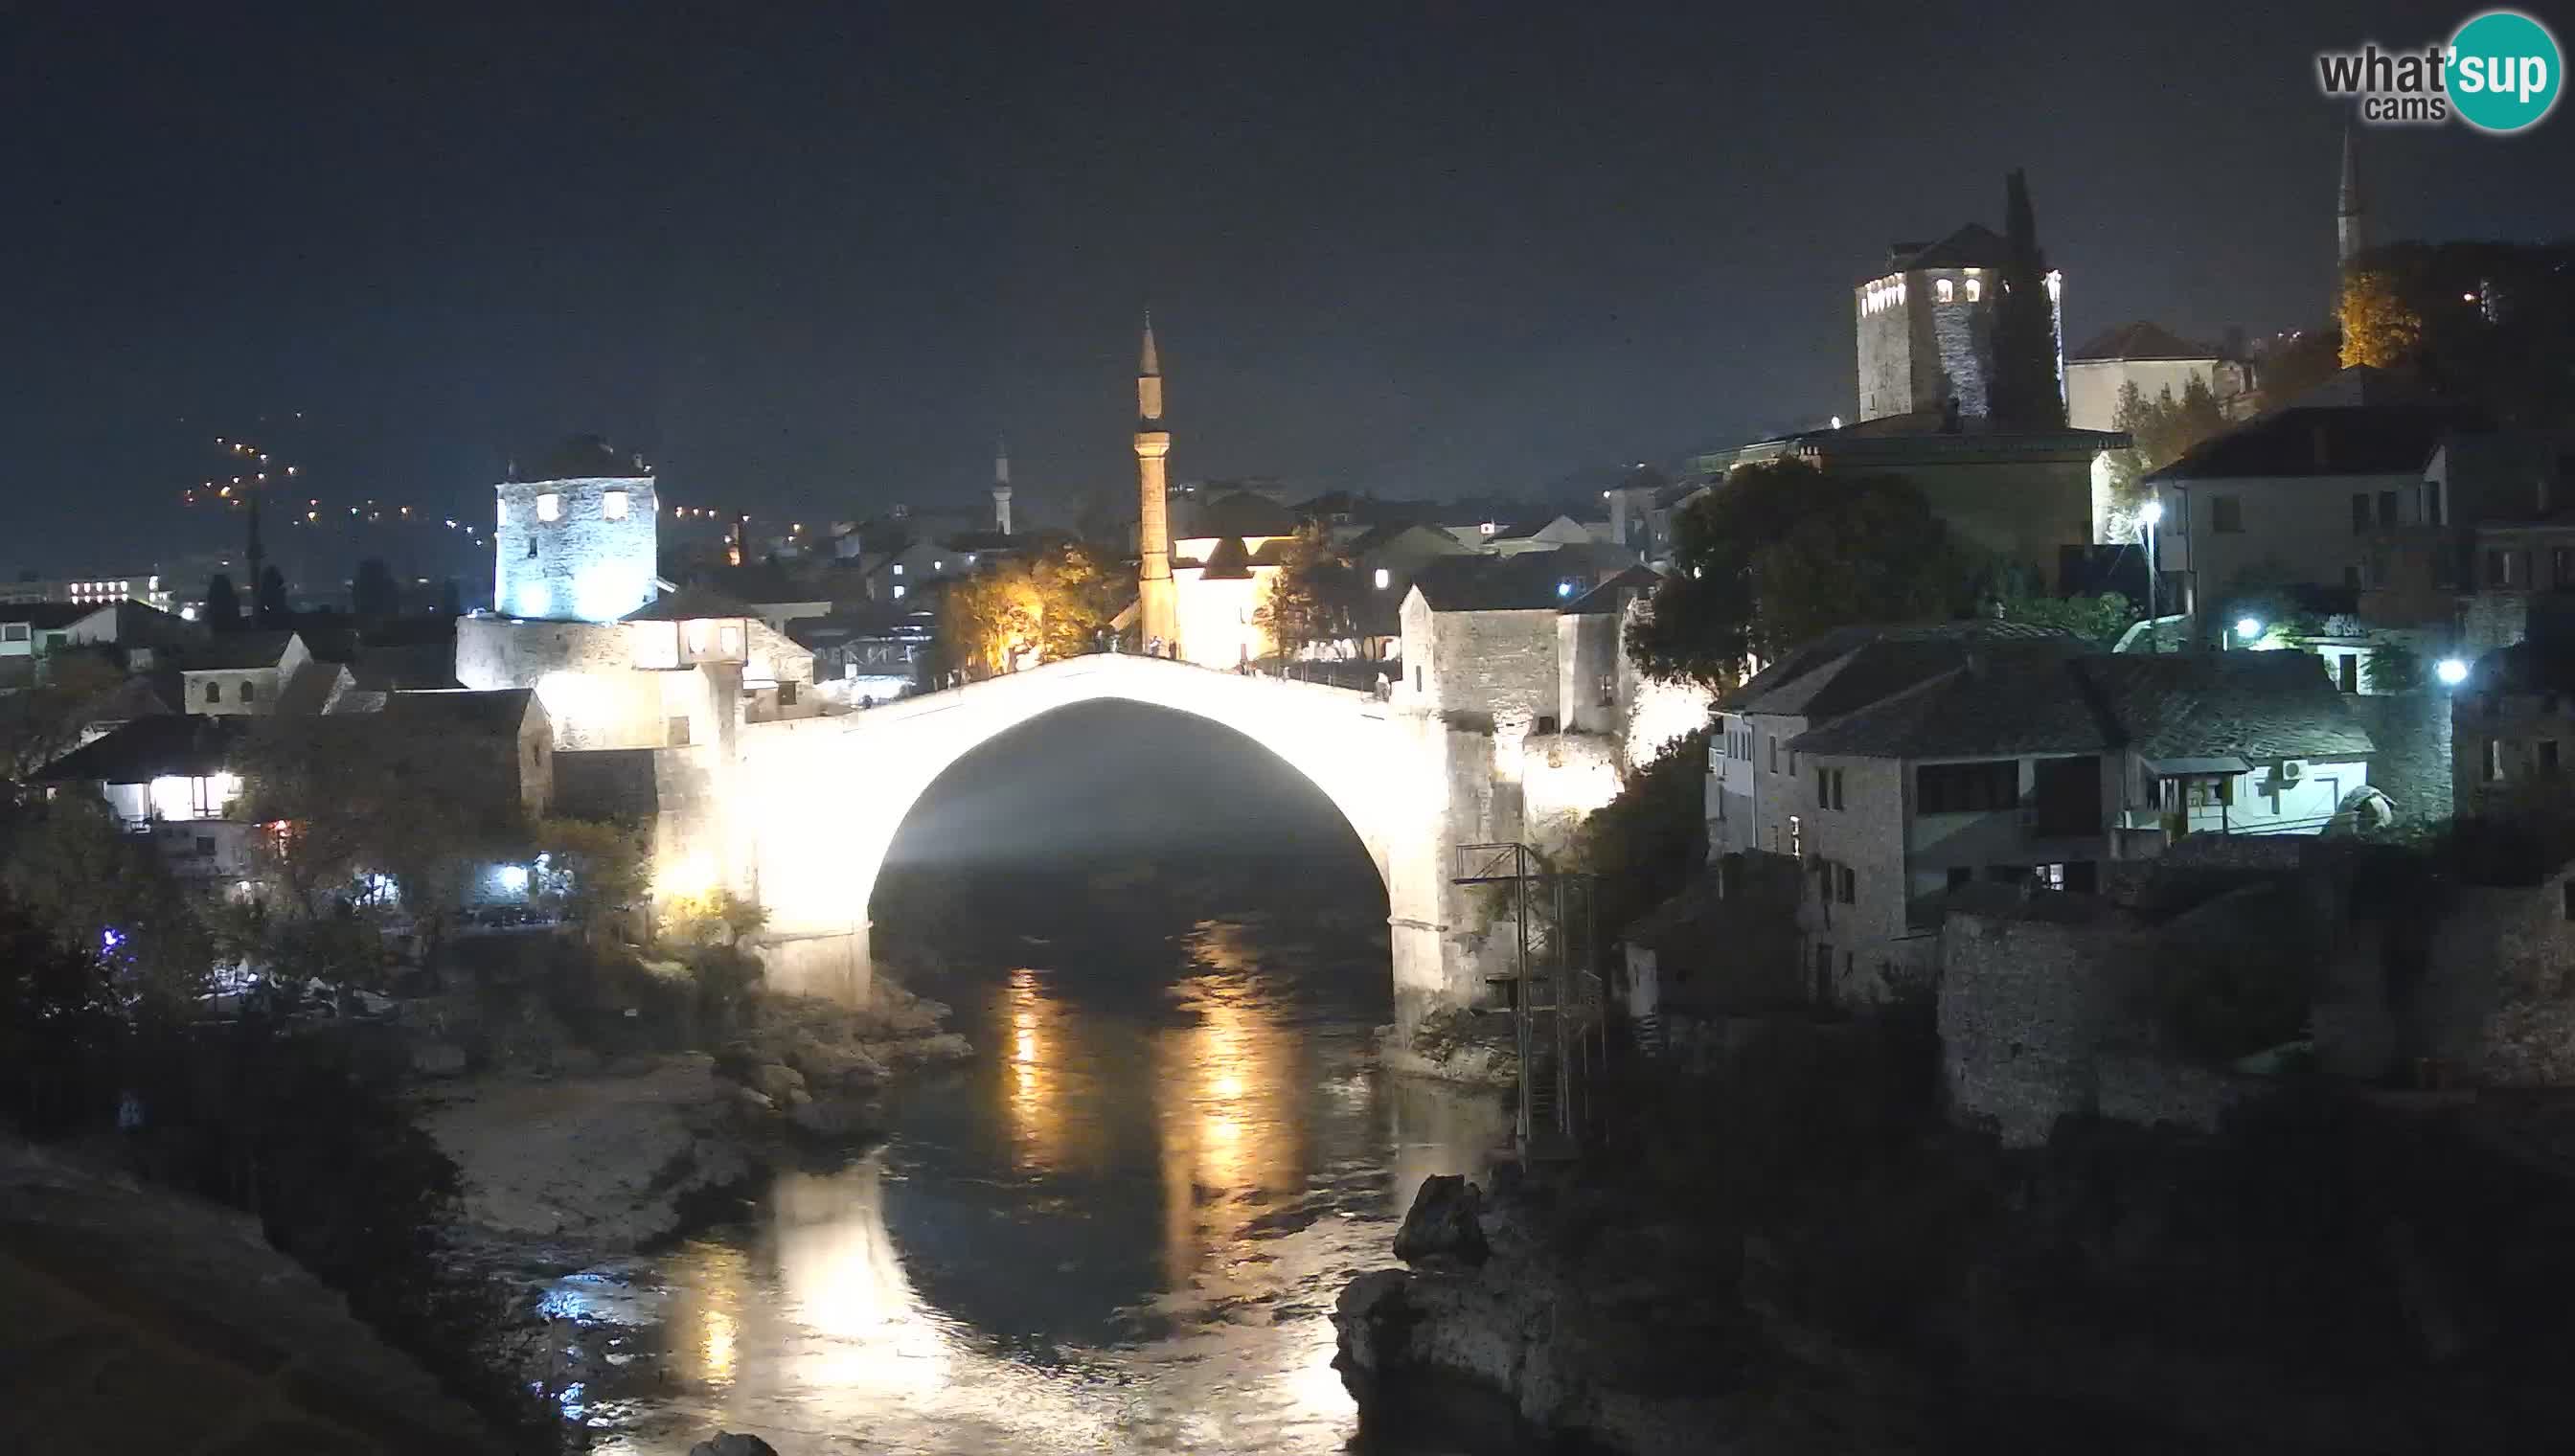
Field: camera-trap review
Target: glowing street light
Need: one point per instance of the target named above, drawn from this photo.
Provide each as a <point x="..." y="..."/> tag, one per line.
<point x="2451" y="671"/>
<point x="2247" y="628"/>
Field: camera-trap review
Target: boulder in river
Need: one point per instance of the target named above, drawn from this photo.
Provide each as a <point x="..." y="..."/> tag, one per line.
<point x="1442" y="1227"/>
<point x="732" y="1443"/>
<point x="780" y="1084"/>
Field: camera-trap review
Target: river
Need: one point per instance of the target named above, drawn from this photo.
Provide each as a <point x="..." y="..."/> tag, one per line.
<point x="1120" y="1228"/>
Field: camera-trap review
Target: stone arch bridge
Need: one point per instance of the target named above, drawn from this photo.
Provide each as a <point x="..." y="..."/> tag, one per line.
<point x="812" y="804"/>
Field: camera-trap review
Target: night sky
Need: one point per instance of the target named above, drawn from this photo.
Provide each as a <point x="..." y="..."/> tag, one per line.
<point x="814" y="259"/>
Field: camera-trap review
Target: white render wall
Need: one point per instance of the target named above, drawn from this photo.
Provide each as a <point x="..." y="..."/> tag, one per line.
<point x="581" y="566"/>
<point x="2092" y="385"/>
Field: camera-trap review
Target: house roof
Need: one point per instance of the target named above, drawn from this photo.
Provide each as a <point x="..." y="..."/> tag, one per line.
<point x="1241" y="513"/>
<point x="490" y="711"/>
<point x="689" y="603"/>
<point x="237" y="651"/>
<point x="309" y="689"/>
<point x="2530" y="666"/>
<point x="2190" y="705"/>
<point x="406" y="664"/>
<point x="2141" y="341"/>
<point x="1973" y="246"/>
<point x="185" y="744"/>
<point x="2325" y="440"/>
<point x="581" y="457"/>
<point x="1377" y="538"/>
<point x="45" y="616"/>
<point x="1911" y="652"/>
<point x="1529" y="582"/>
<point x="1613" y="595"/>
<point x="1226" y="560"/>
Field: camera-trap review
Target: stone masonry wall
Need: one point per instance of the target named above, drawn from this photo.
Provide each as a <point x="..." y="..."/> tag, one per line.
<point x="2413" y="764"/>
<point x="2023" y="1005"/>
<point x="1496" y="664"/>
<point x="581" y="564"/>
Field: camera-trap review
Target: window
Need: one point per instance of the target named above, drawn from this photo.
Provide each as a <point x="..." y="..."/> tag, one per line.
<point x="1774" y="755"/>
<point x="2359" y="512"/>
<point x="2225" y="515"/>
<point x="549" y="506"/>
<point x="1796" y="838"/>
<point x="214" y="691"/>
<point x="2387" y="508"/>
<point x="2490" y="766"/>
<point x="612" y="504"/>
<point x="1845" y="884"/>
<point x="2545" y="750"/>
<point x="898" y="569"/>
<point x="1823" y="973"/>
<point x="2561" y="567"/>
<point x="13" y="632"/>
<point x="1948" y="290"/>
<point x="249" y="690"/>
<point x="787" y="695"/>
<point x="1966" y="788"/>
<point x="2432" y="504"/>
<point x="1609" y="689"/>
<point x="2049" y="876"/>
<point x="2348" y="667"/>
<point x="1416" y="679"/>
<point x="938" y="566"/>
<point x="2215" y="792"/>
<point x="532" y="548"/>
<point x="898" y="591"/>
<point x="675" y="731"/>
<point x="1829" y="788"/>
<point x="2499" y="568"/>
<point x="1382" y="576"/>
<point x="1976" y="289"/>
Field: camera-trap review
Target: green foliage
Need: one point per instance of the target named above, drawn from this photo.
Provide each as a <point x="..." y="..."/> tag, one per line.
<point x="2099" y="620"/>
<point x="1316" y="598"/>
<point x="2392" y="668"/>
<point x="41" y="723"/>
<point x="103" y="893"/>
<point x="223" y="603"/>
<point x="594" y="869"/>
<point x="710" y="918"/>
<point x="1780" y="553"/>
<point x="1646" y="842"/>
<point x="2026" y="394"/>
<point x="2379" y="328"/>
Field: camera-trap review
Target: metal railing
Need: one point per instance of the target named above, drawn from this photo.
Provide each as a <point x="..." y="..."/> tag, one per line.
<point x="1552" y="987"/>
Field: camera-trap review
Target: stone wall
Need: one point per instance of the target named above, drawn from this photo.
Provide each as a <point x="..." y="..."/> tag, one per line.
<point x="2026" y="1002"/>
<point x="582" y="565"/>
<point x="2412" y="764"/>
<point x="2496" y="1002"/>
<point x="1961" y="338"/>
<point x="1498" y="666"/>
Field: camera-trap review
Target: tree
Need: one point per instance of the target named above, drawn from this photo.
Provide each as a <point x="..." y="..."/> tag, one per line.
<point x="373" y="595"/>
<point x="272" y="598"/>
<point x="1646" y="842"/>
<point x="451" y="600"/>
<point x="2160" y="431"/>
<point x="1780" y="553"/>
<point x="1053" y="604"/>
<point x="710" y="918"/>
<point x="1316" y="598"/>
<point x="2379" y="328"/>
<point x="2026" y="394"/>
<point x="594" y="869"/>
<point x="2391" y="667"/>
<point x="223" y="605"/>
<point x="106" y="895"/>
<point x="2101" y="620"/>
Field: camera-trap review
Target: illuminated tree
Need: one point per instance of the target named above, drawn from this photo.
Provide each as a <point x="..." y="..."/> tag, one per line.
<point x="1316" y="598"/>
<point x="2380" y="328"/>
<point x="594" y="869"/>
<point x="1053" y="604"/>
<point x="1780" y="553"/>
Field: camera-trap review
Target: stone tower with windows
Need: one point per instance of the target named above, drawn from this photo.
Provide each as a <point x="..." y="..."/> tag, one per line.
<point x="576" y="539"/>
<point x="1927" y="326"/>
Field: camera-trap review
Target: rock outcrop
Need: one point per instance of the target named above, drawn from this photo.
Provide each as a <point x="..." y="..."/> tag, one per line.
<point x="730" y="1443"/>
<point x="1441" y="1230"/>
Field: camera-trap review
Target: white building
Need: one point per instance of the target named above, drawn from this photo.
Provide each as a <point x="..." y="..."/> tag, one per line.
<point x="2151" y="358"/>
<point x="2023" y="764"/>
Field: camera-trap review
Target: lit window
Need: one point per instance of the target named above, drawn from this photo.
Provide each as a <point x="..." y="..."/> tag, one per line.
<point x="898" y="569"/>
<point x="1383" y="578"/>
<point x="549" y="506"/>
<point x="898" y="591"/>
<point x="1948" y="291"/>
<point x="1976" y="289"/>
<point x="612" y="504"/>
<point x="938" y="566"/>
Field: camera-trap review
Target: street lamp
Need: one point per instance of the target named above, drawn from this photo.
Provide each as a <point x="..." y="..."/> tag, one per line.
<point x="2451" y="671"/>
<point x="2247" y="628"/>
<point x="2152" y="514"/>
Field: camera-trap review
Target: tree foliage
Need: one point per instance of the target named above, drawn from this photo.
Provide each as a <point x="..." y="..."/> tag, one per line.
<point x="2026" y="394"/>
<point x="1316" y="598"/>
<point x="223" y="603"/>
<point x="1051" y="604"/>
<point x="1780" y="553"/>
<point x="2098" y="619"/>
<point x="41" y="723"/>
<point x="373" y="595"/>
<point x="2161" y="431"/>
<point x="595" y="869"/>
<point x="105" y="895"/>
<point x="1645" y="843"/>
<point x="272" y="609"/>
<point x="2380" y="329"/>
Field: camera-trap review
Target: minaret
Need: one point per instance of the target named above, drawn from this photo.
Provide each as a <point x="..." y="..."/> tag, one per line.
<point x="1002" y="488"/>
<point x="2350" y="215"/>
<point x="1157" y="602"/>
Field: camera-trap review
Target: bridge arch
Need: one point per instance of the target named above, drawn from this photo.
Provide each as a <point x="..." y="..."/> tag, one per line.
<point x="816" y="803"/>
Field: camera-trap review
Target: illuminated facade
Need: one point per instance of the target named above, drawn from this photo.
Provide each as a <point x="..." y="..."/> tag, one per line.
<point x="578" y="545"/>
<point x="1927" y="326"/>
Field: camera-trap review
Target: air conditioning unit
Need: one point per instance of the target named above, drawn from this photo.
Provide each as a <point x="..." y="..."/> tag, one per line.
<point x="2290" y="770"/>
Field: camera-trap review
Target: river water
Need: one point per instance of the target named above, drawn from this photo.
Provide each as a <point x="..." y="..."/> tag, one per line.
<point x="1120" y="1228"/>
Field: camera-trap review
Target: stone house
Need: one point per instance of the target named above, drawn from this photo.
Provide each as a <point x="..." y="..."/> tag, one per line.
<point x="1726" y="945"/>
<point x="259" y="674"/>
<point x="2153" y="359"/>
<point x="2308" y="496"/>
<point x="2035" y="768"/>
<point x="170" y="777"/>
<point x="2512" y="727"/>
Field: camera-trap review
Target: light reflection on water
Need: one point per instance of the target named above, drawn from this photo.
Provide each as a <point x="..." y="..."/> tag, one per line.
<point x="1122" y="1229"/>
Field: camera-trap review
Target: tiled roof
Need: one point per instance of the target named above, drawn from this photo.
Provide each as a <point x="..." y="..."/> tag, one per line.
<point x="2319" y="439"/>
<point x="2140" y="341"/>
<point x="1529" y="581"/>
<point x="1973" y="246"/>
<point x="689" y="603"/>
<point x="490" y="711"/>
<point x="1917" y="651"/>
<point x="1613" y="595"/>
<point x="2526" y="666"/>
<point x="236" y="651"/>
<point x="45" y="616"/>
<point x="1241" y="512"/>
<point x="1226" y="560"/>
<point x="2254" y="706"/>
<point x="187" y="744"/>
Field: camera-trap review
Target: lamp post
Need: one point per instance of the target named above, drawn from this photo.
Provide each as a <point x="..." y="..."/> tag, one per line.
<point x="2152" y="514"/>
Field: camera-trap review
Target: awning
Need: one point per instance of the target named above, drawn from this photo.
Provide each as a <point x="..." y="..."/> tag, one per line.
<point x="2187" y="768"/>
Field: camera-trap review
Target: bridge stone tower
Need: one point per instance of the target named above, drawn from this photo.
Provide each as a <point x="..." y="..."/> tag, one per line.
<point x="1158" y="604"/>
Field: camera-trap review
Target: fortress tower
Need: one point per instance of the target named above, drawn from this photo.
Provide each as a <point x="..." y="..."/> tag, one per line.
<point x="577" y="541"/>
